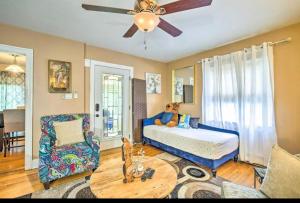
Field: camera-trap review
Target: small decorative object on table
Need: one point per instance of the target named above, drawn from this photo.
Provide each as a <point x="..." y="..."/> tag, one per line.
<point x="133" y="165"/>
<point x="138" y="164"/>
<point x="127" y="158"/>
<point x="148" y="174"/>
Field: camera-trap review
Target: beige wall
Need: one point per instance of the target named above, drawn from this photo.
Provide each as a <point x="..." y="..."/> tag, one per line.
<point x="49" y="47"/>
<point x="287" y="81"/>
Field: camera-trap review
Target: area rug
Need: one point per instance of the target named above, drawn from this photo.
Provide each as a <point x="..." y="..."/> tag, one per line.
<point x="193" y="181"/>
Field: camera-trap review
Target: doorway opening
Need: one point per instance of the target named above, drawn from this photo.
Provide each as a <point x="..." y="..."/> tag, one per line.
<point x="15" y="108"/>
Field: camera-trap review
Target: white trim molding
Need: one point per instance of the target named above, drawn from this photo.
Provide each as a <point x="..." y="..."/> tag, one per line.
<point x="28" y="98"/>
<point x="92" y="65"/>
<point x="35" y="163"/>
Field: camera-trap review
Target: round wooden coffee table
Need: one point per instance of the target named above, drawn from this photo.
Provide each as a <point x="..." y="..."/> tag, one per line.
<point x="107" y="180"/>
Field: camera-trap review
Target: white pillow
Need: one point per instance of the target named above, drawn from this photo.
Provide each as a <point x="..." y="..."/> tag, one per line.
<point x="69" y="132"/>
<point x="283" y="175"/>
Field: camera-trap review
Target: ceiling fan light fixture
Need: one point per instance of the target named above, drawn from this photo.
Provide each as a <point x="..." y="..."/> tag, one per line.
<point x="146" y="21"/>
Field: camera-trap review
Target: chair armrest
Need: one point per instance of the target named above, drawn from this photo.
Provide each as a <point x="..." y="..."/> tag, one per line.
<point x="45" y="146"/>
<point x="150" y="121"/>
<point x="92" y="141"/>
<point x="45" y="151"/>
<point x="206" y="127"/>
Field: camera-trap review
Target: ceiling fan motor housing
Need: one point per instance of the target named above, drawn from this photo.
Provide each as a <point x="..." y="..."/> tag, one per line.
<point x="148" y="5"/>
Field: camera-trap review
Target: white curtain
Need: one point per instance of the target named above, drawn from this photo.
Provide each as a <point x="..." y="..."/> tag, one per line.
<point x="238" y="94"/>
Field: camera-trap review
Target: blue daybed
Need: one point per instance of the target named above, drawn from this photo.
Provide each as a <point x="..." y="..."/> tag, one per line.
<point x="196" y="145"/>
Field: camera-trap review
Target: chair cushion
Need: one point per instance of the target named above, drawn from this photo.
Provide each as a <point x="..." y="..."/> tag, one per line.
<point x="234" y="191"/>
<point x="282" y="178"/>
<point x="69" y="132"/>
<point x="71" y="159"/>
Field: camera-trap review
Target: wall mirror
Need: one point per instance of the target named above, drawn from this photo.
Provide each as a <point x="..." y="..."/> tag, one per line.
<point x="183" y="88"/>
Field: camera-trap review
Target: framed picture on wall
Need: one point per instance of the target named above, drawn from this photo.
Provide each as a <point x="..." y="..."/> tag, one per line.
<point x="59" y="76"/>
<point x="153" y="82"/>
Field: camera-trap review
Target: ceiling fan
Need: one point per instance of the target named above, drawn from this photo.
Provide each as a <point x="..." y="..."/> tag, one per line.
<point x="147" y="14"/>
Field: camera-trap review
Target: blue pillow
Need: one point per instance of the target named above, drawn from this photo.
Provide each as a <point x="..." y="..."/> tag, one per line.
<point x="184" y="121"/>
<point x="194" y="122"/>
<point x="167" y="117"/>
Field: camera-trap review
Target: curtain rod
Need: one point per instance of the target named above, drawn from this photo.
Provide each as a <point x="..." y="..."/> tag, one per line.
<point x="281" y="41"/>
<point x="289" y="39"/>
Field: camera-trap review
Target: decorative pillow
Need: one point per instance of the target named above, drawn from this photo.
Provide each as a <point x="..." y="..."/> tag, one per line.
<point x="69" y="132"/>
<point x="167" y="117"/>
<point x="184" y="121"/>
<point x="282" y="178"/>
<point x="194" y="122"/>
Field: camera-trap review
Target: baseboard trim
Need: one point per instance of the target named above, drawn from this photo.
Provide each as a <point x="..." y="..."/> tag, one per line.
<point x="35" y="163"/>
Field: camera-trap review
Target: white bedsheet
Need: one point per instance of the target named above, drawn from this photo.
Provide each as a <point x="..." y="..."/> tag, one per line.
<point x="204" y="143"/>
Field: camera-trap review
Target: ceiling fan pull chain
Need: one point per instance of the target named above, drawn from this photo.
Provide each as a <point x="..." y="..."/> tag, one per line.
<point x="145" y="41"/>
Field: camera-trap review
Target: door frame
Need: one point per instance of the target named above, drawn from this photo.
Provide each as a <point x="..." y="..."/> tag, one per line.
<point x="89" y="63"/>
<point x="28" y="99"/>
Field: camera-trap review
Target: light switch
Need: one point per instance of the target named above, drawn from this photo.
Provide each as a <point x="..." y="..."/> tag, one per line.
<point x="68" y="96"/>
<point x="75" y="95"/>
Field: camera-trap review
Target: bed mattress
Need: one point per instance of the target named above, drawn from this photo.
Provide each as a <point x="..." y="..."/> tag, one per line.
<point x="203" y="143"/>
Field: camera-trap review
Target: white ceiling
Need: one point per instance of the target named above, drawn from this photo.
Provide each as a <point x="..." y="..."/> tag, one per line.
<point x="205" y="28"/>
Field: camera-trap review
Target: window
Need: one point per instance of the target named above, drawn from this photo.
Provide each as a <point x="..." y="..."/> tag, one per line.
<point x="12" y="90"/>
<point x="238" y="95"/>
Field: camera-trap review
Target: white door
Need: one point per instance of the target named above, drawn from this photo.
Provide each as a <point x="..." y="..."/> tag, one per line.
<point x="112" y="88"/>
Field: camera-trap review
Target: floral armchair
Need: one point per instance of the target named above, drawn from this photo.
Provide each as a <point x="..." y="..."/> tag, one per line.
<point x="58" y="162"/>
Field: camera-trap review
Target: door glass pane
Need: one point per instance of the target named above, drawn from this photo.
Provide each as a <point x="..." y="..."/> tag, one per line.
<point x="112" y="97"/>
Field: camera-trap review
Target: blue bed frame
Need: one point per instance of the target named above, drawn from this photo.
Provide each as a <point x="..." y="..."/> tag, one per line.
<point x="211" y="164"/>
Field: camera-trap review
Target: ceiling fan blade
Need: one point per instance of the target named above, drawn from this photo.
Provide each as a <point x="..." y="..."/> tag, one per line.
<point x="132" y="30"/>
<point x="183" y="5"/>
<point x="168" y="28"/>
<point x="105" y="9"/>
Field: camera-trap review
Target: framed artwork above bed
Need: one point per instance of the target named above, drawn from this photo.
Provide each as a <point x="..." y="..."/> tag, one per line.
<point x="153" y="83"/>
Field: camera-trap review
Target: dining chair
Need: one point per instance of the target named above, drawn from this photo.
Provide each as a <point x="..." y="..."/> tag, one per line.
<point x="1" y="131"/>
<point x="14" y="122"/>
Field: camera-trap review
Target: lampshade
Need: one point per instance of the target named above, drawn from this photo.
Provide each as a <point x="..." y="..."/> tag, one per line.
<point x="14" y="68"/>
<point x="146" y="21"/>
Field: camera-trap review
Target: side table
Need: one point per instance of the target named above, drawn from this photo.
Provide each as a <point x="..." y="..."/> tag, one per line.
<point x="259" y="173"/>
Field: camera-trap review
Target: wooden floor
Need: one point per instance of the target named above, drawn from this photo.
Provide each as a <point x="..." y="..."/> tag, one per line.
<point x="15" y="182"/>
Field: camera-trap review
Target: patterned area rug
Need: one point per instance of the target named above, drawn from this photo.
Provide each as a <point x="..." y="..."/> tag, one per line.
<point x="194" y="181"/>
